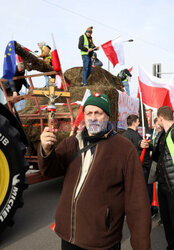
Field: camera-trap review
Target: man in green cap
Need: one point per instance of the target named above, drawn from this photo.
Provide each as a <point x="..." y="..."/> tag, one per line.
<point x="103" y="182"/>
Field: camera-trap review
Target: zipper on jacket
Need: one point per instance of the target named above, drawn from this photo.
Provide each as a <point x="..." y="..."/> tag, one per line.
<point x="73" y="218"/>
<point x="72" y="238"/>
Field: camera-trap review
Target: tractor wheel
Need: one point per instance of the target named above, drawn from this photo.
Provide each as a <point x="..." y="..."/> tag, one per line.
<point x="12" y="172"/>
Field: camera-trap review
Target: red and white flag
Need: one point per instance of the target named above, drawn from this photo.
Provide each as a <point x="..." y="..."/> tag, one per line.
<point x="59" y="83"/>
<point x="156" y="92"/>
<point x="114" y="52"/>
<point x="80" y="114"/>
<point x="54" y="57"/>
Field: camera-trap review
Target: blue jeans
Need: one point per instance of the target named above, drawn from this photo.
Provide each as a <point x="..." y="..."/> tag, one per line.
<point x="87" y="67"/>
<point x="126" y="87"/>
<point x="46" y="80"/>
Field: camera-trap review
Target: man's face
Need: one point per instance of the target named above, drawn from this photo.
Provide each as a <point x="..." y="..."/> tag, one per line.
<point x="136" y="124"/>
<point x="88" y="34"/>
<point x="160" y="121"/>
<point x="21" y="68"/>
<point x="39" y="45"/>
<point x="157" y="127"/>
<point x="95" y="119"/>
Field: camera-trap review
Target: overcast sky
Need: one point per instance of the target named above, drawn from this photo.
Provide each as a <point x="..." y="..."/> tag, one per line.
<point x="148" y="22"/>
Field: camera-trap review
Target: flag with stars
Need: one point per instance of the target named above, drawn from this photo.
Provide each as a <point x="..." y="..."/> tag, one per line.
<point x="9" y="66"/>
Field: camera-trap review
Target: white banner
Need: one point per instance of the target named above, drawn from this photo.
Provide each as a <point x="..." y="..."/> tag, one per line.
<point x="127" y="105"/>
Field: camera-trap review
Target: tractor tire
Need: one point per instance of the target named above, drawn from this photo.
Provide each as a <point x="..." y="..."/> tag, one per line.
<point x="13" y="167"/>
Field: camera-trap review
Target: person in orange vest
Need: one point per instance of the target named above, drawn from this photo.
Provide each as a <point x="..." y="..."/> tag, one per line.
<point x="87" y="48"/>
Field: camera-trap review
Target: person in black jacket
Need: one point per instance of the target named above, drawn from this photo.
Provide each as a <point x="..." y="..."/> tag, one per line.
<point x="163" y="154"/>
<point x="13" y="87"/>
<point x="87" y="47"/>
<point x="132" y="134"/>
<point x="125" y="75"/>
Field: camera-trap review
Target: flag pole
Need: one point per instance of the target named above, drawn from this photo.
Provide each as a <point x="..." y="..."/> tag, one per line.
<point x="108" y="66"/>
<point x="142" y="113"/>
<point x="116" y="38"/>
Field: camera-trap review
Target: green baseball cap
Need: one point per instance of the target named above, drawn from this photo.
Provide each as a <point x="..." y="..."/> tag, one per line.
<point x="99" y="100"/>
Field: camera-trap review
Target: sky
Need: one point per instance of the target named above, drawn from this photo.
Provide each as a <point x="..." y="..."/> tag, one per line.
<point x="148" y="22"/>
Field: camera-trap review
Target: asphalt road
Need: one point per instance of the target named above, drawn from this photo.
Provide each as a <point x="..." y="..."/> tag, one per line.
<point x="31" y="230"/>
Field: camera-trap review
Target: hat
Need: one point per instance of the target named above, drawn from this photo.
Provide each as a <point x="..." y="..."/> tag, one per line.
<point x="99" y="100"/>
<point x="89" y="30"/>
<point x="42" y="43"/>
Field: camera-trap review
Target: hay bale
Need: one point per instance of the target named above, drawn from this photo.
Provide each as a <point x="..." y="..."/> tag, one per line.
<point x="99" y="76"/>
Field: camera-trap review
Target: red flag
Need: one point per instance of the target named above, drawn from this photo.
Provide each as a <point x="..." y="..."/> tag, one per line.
<point x="80" y="114"/>
<point x="114" y="52"/>
<point x="53" y="226"/>
<point x="131" y="69"/>
<point x="156" y="92"/>
<point x="54" y="57"/>
<point x="142" y="155"/>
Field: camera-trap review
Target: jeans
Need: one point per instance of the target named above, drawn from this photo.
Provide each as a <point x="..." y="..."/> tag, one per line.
<point x="126" y="87"/>
<point x="87" y="67"/>
<point x="46" y="80"/>
<point x="68" y="246"/>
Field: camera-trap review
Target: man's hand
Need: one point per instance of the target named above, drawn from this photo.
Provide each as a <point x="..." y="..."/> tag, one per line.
<point x="144" y="143"/>
<point x="15" y="94"/>
<point x="48" y="138"/>
<point x="90" y="49"/>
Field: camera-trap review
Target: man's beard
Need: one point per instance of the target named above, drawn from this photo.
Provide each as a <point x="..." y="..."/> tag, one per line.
<point x="97" y="127"/>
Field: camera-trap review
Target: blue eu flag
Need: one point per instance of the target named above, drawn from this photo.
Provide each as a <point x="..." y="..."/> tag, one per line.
<point x="9" y="67"/>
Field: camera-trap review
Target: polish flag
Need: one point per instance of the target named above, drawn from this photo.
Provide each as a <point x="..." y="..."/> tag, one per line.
<point x="58" y="82"/>
<point x="44" y="107"/>
<point x="65" y="104"/>
<point x="114" y="52"/>
<point x="156" y="92"/>
<point x="80" y="114"/>
<point x="54" y="57"/>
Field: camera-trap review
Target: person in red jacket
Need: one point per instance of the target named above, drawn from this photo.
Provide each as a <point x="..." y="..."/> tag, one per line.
<point x="103" y="183"/>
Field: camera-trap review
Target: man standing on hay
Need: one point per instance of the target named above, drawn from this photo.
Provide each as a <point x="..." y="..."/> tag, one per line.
<point x="103" y="183"/>
<point x="87" y="48"/>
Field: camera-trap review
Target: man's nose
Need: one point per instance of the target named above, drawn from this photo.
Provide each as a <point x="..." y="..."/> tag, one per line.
<point x="93" y="117"/>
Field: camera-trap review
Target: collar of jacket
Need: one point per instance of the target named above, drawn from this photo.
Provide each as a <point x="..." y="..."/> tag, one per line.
<point x="111" y="132"/>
